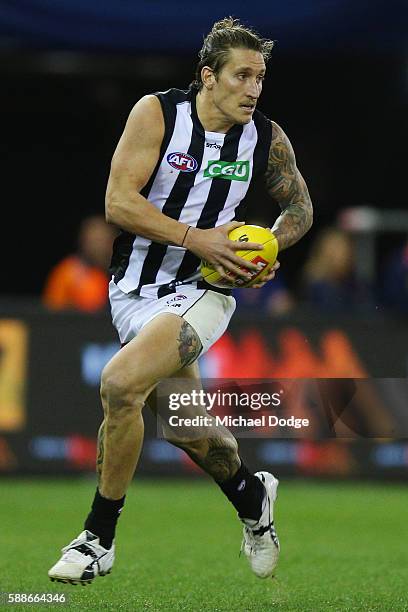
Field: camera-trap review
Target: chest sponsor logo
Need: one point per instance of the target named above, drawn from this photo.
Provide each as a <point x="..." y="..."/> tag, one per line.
<point x="231" y="171"/>
<point x="174" y="300"/>
<point x="213" y="145"/>
<point x="182" y="161"/>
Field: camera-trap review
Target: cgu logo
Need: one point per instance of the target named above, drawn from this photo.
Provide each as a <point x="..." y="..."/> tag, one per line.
<point x="231" y="171"/>
<point x="182" y="161"/>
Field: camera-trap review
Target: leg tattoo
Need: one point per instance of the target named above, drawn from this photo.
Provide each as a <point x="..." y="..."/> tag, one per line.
<point x="220" y="459"/>
<point x="189" y="344"/>
<point x="99" y="459"/>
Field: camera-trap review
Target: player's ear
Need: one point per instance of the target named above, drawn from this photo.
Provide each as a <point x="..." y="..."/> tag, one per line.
<point x="207" y="77"/>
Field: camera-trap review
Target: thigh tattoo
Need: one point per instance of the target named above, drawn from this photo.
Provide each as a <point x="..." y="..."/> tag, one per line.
<point x="189" y="344"/>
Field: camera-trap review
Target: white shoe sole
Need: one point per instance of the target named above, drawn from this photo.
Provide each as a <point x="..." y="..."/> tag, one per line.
<point x="76" y="581"/>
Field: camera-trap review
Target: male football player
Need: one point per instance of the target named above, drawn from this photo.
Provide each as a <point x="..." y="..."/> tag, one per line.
<point x="179" y="178"/>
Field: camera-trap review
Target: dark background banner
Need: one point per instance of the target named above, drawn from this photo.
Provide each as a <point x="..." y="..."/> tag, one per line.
<point x="50" y="410"/>
<point x="72" y="71"/>
<point x="175" y="26"/>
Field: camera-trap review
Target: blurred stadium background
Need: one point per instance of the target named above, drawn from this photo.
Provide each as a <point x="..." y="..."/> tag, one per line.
<point x="337" y="83"/>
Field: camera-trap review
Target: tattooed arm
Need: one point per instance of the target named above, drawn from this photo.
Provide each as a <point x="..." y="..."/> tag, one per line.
<point x="287" y="187"/>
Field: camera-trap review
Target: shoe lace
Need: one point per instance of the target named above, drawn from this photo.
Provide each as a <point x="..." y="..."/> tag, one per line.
<point x="70" y="555"/>
<point x="248" y="540"/>
<point x="71" y="552"/>
<point x="253" y="538"/>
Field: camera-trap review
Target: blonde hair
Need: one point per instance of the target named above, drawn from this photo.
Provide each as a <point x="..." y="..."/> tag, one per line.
<point x="226" y="34"/>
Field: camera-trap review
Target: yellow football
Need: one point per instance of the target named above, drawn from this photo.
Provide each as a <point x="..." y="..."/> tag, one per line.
<point x="266" y="257"/>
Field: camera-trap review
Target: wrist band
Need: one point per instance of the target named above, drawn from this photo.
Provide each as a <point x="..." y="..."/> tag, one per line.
<point x="185" y="235"/>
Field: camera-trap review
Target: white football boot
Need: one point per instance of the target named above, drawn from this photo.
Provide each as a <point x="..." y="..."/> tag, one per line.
<point x="82" y="560"/>
<point x="260" y="543"/>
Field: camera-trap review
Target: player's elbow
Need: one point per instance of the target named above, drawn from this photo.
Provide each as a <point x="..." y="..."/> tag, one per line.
<point x="109" y="217"/>
<point x="110" y="207"/>
<point x="115" y="198"/>
<point x="114" y="202"/>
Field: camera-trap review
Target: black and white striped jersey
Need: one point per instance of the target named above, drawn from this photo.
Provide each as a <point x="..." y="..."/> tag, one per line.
<point x="201" y="179"/>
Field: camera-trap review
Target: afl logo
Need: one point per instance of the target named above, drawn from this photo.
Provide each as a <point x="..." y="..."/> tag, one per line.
<point x="182" y="161"/>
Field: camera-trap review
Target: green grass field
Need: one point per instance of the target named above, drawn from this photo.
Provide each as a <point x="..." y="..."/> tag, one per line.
<point x="344" y="547"/>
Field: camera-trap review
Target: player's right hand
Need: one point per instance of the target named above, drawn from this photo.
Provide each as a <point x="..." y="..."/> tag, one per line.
<point x="214" y="246"/>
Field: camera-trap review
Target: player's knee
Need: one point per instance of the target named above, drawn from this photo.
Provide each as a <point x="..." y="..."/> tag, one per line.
<point x="118" y="393"/>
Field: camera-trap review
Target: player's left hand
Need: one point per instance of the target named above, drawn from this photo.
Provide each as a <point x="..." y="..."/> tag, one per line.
<point x="268" y="277"/>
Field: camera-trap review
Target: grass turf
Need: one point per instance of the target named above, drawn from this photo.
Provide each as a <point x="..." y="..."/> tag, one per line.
<point x="344" y="547"/>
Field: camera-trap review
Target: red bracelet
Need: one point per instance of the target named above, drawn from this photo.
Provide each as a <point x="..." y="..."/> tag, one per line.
<point x="185" y="235"/>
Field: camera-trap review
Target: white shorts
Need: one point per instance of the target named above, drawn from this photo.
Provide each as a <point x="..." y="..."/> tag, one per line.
<point x="208" y="312"/>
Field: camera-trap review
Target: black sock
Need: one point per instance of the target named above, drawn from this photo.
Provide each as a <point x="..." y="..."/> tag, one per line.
<point x="246" y="493"/>
<point x="103" y="517"/>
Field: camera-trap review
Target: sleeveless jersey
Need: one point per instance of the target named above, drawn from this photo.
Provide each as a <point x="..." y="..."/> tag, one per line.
<point x="201" y="178"/>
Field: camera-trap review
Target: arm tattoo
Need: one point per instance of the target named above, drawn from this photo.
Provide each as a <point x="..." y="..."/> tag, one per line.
<point x="189" y="344"/>
<point x="99" y="459"/>
<point x="287" y="187"/>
